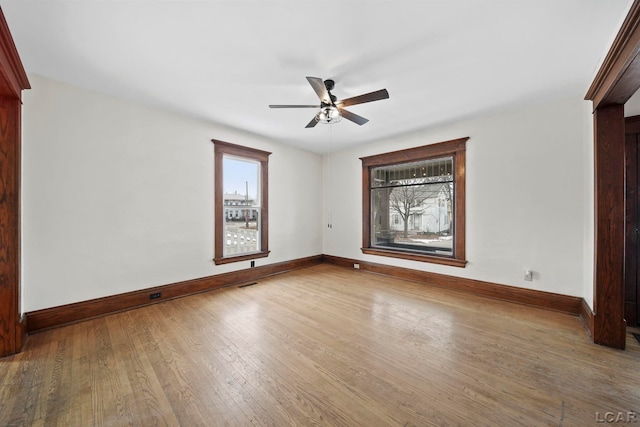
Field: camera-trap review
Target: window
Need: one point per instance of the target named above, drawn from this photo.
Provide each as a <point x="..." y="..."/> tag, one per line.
<point x="241" y="180"/>
<point x="413" y="203"/>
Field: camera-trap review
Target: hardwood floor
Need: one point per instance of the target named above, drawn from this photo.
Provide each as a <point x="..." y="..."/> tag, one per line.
<point x="322" y="346"/>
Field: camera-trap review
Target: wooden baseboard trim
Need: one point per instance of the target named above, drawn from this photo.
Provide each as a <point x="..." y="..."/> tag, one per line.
<point x="53" y="317"/>
<point x="547" y="300"/>
<point x="587" y="316"/>
<point x="21" y="333"/>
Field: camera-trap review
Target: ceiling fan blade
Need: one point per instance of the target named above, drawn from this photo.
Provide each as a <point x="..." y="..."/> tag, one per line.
<point x="361" y="99"/>
<point x="353" y="117"/>
<point x="294" y="106"/>
<point x="312" y="123"/>
<point x="318" y="85"/>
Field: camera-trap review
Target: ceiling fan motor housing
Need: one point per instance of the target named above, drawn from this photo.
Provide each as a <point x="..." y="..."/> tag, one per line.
<point x="329" y="84"/>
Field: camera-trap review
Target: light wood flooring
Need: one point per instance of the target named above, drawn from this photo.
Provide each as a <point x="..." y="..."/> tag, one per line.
<point x="325" y="346"/>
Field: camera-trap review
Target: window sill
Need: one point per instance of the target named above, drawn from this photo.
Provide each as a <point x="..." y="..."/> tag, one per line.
<point x="238" y="258"/>
<point x="413" y="256"/>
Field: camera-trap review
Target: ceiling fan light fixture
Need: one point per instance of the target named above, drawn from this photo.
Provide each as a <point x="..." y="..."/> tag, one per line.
<point x="332" y="110"/>
<point x="329" y="114"/>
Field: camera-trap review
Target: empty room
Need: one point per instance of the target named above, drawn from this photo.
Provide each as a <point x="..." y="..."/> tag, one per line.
<point x="342" y="213"/>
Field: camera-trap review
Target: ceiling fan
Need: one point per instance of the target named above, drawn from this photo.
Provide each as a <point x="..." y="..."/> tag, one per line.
<point x="332" y="110"/>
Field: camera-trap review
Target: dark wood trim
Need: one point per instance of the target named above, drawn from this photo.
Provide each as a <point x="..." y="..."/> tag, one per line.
<point x="455" y="148"/>
<point x="587" y="317"/>
<point x="21" y="334"/>
<point x="631" y="220"/>
<point x="547" y="300"/>
<point x="616" y="81"/>
<point x="71" y="313"/>
<point x="609" y="326"/>
<point x="9" y="225"/>
<point x="632" y="125"/>
<point x="415" y="257"/>
<point x="12" y="81"/>
<point x="439" y="149"/>
<point x="48" y="318"/>
<point x="238" y="258"/>
<point x="218" y="206"/>
<point x="618" y="77"/>
<point x="220" y="149"/>
<point x="240" y="150"/>
<point x="460" y="201"/>
<point x="366" y="208"/>
<point x="14" y="78"/>
<point x="39" y="320"/>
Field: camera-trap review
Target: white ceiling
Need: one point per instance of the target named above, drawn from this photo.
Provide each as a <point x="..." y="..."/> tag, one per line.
<point x="227" y="60"/>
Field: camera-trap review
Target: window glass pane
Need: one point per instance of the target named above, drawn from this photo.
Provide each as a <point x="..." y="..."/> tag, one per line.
<point x="413" y="203"/>
<point x="241" y="231"/>
<point x="413" y="215"/>
<point x="241" y="181"/>
<point x="423" y="171"/>
<point x="241" y="205"/>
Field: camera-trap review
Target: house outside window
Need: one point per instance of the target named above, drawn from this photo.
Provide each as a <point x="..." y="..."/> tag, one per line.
<point x="413" y="203"/>
<point x="241" y="203"/>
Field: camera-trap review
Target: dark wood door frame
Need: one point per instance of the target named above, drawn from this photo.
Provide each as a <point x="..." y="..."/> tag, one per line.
<point x="616" y="81"/>
<point x="13" y="80"/>
<point x="631" y="295"/>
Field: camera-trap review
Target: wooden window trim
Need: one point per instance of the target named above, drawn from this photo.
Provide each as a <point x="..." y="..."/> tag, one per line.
<point x="220" y="149"/>
<point x="455" y="148"/>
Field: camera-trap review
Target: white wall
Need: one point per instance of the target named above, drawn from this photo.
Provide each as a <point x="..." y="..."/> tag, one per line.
<point x="118" y="197"/>
<point x="588" y="214"/>
<point x="632" y="106"/>
<point x="525" y="198"/>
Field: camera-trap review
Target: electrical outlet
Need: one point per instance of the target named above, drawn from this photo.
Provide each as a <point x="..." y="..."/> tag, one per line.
<point x="356" y="266"/>
<point x="155" y="295"/>
<point x="528" y="275"/>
